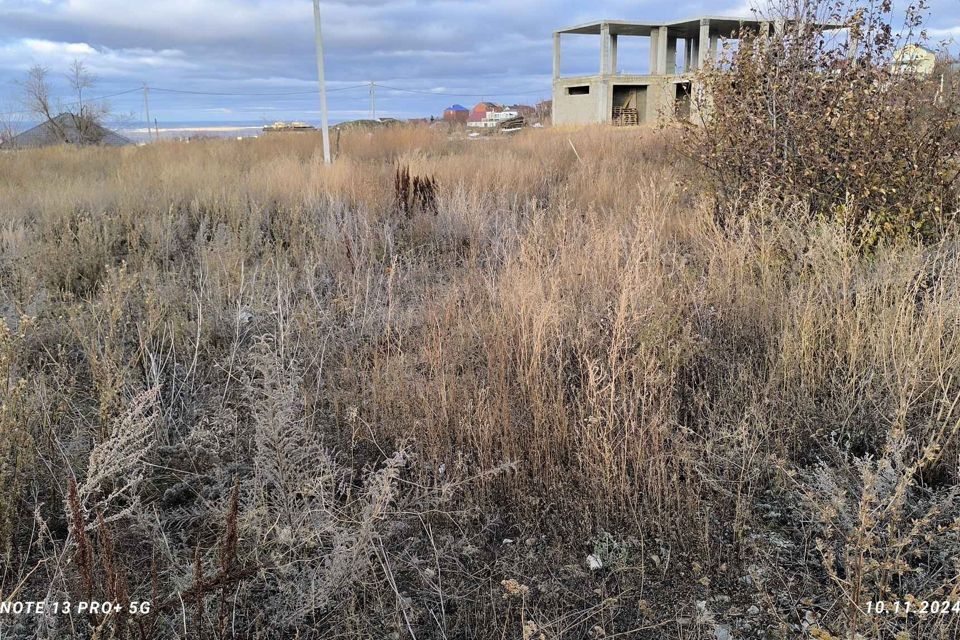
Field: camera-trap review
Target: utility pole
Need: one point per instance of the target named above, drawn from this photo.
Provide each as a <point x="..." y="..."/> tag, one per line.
<point x="373" y="100"/>
<point x="146" y="106"/>
<point x="324" y="121"/>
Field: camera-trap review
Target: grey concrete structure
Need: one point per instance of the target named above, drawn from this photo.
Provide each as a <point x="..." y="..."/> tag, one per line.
<point x="612" y="96"/>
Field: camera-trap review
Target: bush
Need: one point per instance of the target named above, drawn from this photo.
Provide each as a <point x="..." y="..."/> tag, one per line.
<point x="285" y="405"/>
<point x="803" y="115"/>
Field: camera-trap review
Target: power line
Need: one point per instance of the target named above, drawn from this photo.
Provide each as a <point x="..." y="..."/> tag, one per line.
<point x="370" y="86"/>
<point x="461" y="95"/>
<point x="280" y="94"/>
<point x="111" y="95"/>
<point x="254" y="95"/>
<point x="426" y="92"/>
<point x="114" y="95"/>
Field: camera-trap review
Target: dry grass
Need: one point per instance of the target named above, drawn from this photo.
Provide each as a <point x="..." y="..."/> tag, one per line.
<point x="695" y="406"/>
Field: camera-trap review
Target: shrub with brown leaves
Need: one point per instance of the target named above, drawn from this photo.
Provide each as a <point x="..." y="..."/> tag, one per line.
<point x="802" y="113"/>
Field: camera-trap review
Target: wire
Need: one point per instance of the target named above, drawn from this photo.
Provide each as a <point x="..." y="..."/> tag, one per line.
<point x="311" y="92"/>
<point x="120" y="93"/>
<point x="303" y="94"/>
<point x="460" y="95"/>
<point x="111" y="95"/>
<point x="253" y="95"/>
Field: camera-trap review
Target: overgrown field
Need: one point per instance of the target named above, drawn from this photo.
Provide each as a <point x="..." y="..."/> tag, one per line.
<point x="273" y="401"/>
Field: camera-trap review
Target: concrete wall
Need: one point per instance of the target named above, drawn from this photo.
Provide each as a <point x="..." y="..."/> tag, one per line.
<point x="577" y="109"/>
<point x="586" y="109"/>
<point x="660" y="98"/>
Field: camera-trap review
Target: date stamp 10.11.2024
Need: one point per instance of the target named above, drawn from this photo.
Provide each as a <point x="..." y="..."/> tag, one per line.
<point x="913" y="606"/>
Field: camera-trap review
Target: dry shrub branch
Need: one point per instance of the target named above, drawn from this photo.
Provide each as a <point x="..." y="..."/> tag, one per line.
<point x="805" y="113"/>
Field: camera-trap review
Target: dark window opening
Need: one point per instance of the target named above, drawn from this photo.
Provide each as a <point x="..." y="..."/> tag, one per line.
<point x="578" y="91"/>
<point x="682" y="101"/>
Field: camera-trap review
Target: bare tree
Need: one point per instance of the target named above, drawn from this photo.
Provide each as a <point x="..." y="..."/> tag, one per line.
<point x="11" y="121"/>
<point x="37" y="98"/>
<point x="86" y="116"/>
<point x="544" y="110"/>
<point x="83" y="114"/>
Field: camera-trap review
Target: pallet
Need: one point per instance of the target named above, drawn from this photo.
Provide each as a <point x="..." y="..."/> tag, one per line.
<point x="625" y="117"/>
<point x="513" y="123"/>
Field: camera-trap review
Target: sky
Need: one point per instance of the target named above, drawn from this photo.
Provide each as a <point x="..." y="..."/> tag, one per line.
<point x="423" y="54"/>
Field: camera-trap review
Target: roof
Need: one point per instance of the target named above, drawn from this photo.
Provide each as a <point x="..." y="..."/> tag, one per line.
<point x="723" y="26"/>
<point x="45" y="135"/>
<point x="457" y="107"/>
<point x="915" y="47"/>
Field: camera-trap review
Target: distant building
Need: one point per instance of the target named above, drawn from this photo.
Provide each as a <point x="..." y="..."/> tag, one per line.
<point x="66" y="129"/>
<point x="914" y="59"/>
<point x="456" y="113"/>
<point x="478" y="115"/>
<point x="278" y="127"/>
<point x="677" y="51"/>
<point x="524" y="110"/>
<point x="487" y="115"/>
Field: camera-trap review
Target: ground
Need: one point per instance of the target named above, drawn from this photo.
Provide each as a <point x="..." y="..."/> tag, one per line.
<point x="514" y="387"/>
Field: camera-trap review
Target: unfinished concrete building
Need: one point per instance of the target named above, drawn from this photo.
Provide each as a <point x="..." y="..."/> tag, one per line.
<point x="612" y="96"/>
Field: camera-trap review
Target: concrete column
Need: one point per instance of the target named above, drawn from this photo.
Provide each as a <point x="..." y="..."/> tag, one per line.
<point x="779" y="26"/>
<point x="604" y="49"/>
<point x="662" y="52"/>
<point x="654" y="47"/>
<point x="556" y="56"/>
<point x="703" y="44"/>
<point x="671" y="64"/>
<point x="853" y="45"/>
<point x="693" y="62"/>
<point x="613" y="54"/>
<point x="604" y="114"/>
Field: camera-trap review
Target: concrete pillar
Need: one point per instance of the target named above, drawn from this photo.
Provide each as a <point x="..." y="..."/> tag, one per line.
<point x="703" y="43"/>
<point x="604" y="49"/>
<point x="654" y="39"/>
<point x="556" y="56"/>
<point x="853" y="45"/>
<point x="613" y="54"/>
<point x="671" y="64"/>
<point x="661" y="68"/>
<point x="693" y="62"/>
<point x="603" y="98"/>
<point x="779" y="26"/>
<point x="714" y="47"/>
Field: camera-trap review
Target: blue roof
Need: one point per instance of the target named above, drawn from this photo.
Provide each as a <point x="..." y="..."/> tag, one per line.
<point x="457" y="107"/>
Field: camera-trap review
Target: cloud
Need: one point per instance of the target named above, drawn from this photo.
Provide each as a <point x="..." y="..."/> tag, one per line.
<point x="104" y="63"/>
<point x="500" y="49"/>
<point x="948" y="32"/>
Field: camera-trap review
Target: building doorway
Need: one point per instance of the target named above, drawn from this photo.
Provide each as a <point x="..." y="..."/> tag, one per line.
<point x="681" y="104"/>
<point x="629" y="105"/>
